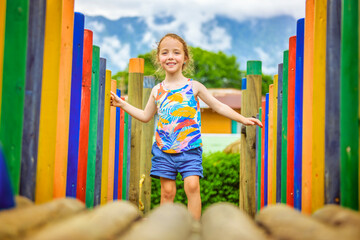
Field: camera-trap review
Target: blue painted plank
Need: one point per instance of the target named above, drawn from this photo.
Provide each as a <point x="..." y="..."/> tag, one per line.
<point x="117" y="140"/>
<point x="298" y="113"/>
<point x="75" y="105"/>
<point x="6" y="191"/>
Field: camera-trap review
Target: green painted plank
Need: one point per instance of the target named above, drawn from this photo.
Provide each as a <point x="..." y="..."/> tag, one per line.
<point x="125" y="156"/>
<point x="349" y="106"/>
<point x="13" y="89"/>
<point x="93" y="123"/>
<point x="284" y="126"/>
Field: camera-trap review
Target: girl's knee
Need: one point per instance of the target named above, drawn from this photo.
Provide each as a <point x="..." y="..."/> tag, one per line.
<point x="192" y="186"/>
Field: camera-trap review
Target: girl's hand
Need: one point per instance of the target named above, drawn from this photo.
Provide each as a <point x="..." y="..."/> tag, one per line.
<point x="115" y="100"/>
<point x="252" y="121"/>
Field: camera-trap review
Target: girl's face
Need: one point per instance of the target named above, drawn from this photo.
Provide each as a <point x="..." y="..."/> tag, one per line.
<point x="171" y="55"/>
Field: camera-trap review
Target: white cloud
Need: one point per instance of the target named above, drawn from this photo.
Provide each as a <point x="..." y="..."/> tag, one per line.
<point x="96" y="26"/>
<point x="116" y="52"/>
<point x="267" y="60"/>
<point x="239" y="9"/>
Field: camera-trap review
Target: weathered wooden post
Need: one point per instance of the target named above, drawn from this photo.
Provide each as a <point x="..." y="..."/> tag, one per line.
<point x="146" y="144"/>
<point x="136" y="72"/>
<point x="250" y="107"/>
<point x="35" y="52"/>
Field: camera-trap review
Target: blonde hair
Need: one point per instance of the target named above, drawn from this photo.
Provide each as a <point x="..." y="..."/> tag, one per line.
<point x="187" y="68"/>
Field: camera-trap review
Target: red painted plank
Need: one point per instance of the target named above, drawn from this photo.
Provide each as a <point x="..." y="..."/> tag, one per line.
<point x="121" y="152"/>
<point x="85" y="115"/>
<point x="291" y="120"/>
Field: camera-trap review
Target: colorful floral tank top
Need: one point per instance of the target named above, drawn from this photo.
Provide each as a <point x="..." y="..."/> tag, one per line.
<point x="178" y="127"/>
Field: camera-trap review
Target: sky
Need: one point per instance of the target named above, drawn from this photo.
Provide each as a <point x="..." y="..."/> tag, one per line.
<point x="185" y="14"/>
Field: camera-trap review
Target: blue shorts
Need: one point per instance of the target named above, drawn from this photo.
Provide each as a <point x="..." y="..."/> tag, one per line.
<point x="167" y="165"/>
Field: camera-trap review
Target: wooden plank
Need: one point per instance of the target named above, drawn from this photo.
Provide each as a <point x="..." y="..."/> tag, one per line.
<point x="279" y="133"/>
<point x="49" y="103"/>
<point x="332" y="104"/>
<point x="128" y="166"/>
<point x="284" y="127"/>
<point x="35" y="52"/>
<point x="307" y="107"/>
<point x="100" y="132"/>
<point x="298" y="113"/>
<point x="259" y="168"/>
<point x="84" y="115"/>
<point x="270" y="141"/>
<point x="2" y="38"/>
<point x="7" y="195"/>
<point x="13" y="86"/>
<point x="290" y="122"/>
<point x="266" y="151"/>
<point x="125" y="157"/>
<point x="136" y="72"/>
<point x="105" y="222"/>
<point x="169" y="221"/>
<point x="117" y="169"/>
<point x="75" y="104"/>
<point x="146" y="144"/>
<point x="216" y="219"/>
<point x="318" y="111"/>
<point x="62" y="130"/>
<point x="93" y="128"/>
<point x="262" y="152"/>
<point x="349" y="105"/>
<point x="121" y="154"/>
<point x="19" y="223"/>
<point x="112" y="147"/>
<point x="250" y="106"/>
<point x="273" y="200"/>
<point x="106" y="138"/>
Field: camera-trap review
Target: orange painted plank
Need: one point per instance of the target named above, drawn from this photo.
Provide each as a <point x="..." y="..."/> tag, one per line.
<point x="85" y="115"/>
<point x="291" y="120"/>
<point x="62" y="130"/>
<point x="112" y="147"/>
<point x="136" y="65"/>
<point x="307" y="107"/>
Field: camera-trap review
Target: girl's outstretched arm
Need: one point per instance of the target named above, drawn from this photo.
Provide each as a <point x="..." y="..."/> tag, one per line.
<point x="142" y="115"/>
<point x="222" y="108"/>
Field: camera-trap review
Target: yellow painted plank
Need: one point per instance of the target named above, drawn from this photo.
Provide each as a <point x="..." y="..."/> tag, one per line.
<point x="62" y="132"/>
<point x="318" y="123"/>
<point x="49" y="103"/>
<point x="275" y="99"/>
<point x="2" y="38"/>
<point x="106" y="137"/>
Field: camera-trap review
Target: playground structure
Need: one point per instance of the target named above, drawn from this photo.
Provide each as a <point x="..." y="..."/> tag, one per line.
<point x="60" y="138"/>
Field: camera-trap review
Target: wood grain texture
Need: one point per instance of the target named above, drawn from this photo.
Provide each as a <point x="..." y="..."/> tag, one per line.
<point x="30" y="138"/>
<point x="49" y="103"/>
<point x="62" y="130"/>
<point x="307" y="107"/>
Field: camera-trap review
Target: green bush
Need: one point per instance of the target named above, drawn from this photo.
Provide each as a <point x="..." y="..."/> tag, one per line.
<point x="220" y="182"/>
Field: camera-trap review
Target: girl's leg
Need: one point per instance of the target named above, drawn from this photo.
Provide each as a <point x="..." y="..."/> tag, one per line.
<point x="192" y="190"/>
<point x="168" y="190"/>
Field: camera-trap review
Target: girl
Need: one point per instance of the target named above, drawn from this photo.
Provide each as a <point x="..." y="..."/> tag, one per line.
<point x="178" y="139"/>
